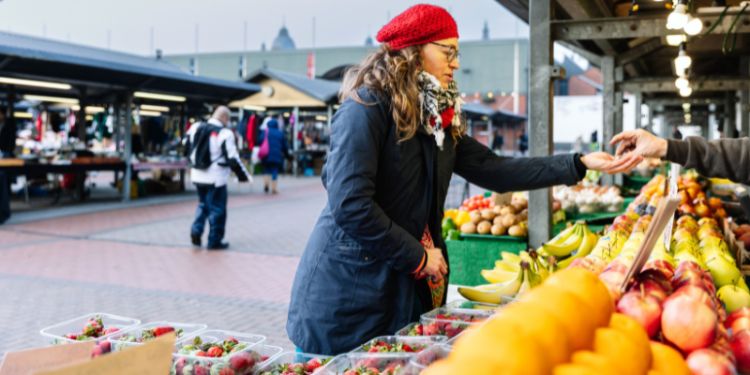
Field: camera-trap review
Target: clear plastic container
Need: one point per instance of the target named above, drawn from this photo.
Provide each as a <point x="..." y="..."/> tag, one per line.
<point x="133" y="336"/>
<point x="246" y="355"/>
<point x="288" y="361"/>
<point x="60" y="333"/>
<point x="425" y="358"/>
<point x="450" y="322"/>
<point x="410" y="344"/>
<point x="385" y="363"/>
<point x="480" y="306"/>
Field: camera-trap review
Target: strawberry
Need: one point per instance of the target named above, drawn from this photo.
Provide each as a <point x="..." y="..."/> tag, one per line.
<point x="215" y="351"/>
<point x="111" y="330"/>
<point x="242" y="361"/>
<point x="407" y="348"/>
<point x="201" y="353"/>
<point x="232" y="340"/>
<point x="106" y="346"/>
<point x="158" y="331"/>
<point x="226" y="371"/>
<point x="96" y="351"/>
<point x="312" y="365"/>
<point x="200" y="370"/>
<point x="71" y="336"/>
<point x="179" y="365"/>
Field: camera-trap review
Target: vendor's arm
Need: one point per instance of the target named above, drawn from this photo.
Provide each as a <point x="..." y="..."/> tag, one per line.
<point x="357" y="136"/>
<point x="726" y="157"/>
<point x="477" y="164"/>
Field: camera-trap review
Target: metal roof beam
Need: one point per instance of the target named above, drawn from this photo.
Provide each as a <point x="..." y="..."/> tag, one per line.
<point x="636" y="27"/>
<point x="636" y="53"/>
<point x="718" y="101"/>
<point x="666" y="84"/>
<point x="593" y="58"/>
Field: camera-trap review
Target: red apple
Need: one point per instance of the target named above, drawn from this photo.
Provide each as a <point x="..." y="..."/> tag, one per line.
<point x="657" y="287"/>
<point x="738" y="321"/>
<point x="642" y="307"/>
<point x="707" y="361"/>
<point x="660" y="267"/>
<point x="740" y="344"/>
<point x="687" y="320"/>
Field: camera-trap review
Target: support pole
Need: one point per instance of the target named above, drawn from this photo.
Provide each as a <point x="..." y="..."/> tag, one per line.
<point x="730" y="119"/>
<point x="128" y="147"/>
<point x="619" y="101"/>
<point x="745" y="99"/>
<point x="608" y="108"/>
<point x="638" y="112"/>
<point x="295" y="141"/>
<point x="540" y="115"/>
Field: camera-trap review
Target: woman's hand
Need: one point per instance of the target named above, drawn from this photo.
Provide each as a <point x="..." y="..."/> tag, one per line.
<point x="436" y="266"/>
<point x="604" y="162"/>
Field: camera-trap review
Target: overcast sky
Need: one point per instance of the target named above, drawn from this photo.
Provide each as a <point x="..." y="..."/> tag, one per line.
<point x="127" y="25"/>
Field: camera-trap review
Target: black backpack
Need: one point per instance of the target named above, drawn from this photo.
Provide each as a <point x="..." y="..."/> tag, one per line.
<point x="198" y="151"/>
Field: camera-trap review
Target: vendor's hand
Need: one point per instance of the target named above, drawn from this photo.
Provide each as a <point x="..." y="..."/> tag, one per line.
<point x="604" y="162"/>
<point x="641" y="143"/>
<point x="436" y="266"/>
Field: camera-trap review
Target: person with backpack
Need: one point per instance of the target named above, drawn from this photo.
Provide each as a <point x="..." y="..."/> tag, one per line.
<point x="273" y="150"/>
<point x="212" y="151"/>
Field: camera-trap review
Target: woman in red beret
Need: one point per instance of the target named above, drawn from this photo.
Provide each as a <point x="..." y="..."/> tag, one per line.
<point x="376" y="260"/>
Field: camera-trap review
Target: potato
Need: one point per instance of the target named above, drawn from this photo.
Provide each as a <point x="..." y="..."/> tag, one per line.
<point x="497" y="209"/>
<point x="517" y="231"/>
<point x="484" y="227"/>
<point x="468" y="228"/>
<point x="498" y="220"/>
<point x="497" y="230"/>
<point x="508" y="220"/>
<point x="523" y="215"/>
<point x="518" y="208"/>
<point x="487" y="214"/>
<point x="507" y="210"/>
<point x="475" y="217"/>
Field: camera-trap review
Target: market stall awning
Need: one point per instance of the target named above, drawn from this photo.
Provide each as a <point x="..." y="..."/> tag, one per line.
<point x="288" y="90"/>
<point x="477" y="111"/>
<point x="103" y="71"/>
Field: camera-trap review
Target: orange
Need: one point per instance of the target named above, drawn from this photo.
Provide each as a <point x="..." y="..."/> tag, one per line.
<point x="568" y="309"/>
<point x="498" y="347"/>
<point x="586" y="285"/>
<point x="541" y="326"/>
<point x="632" y="328"/>
<point x="621" y="350"/>
<point x="595" y="360"/>
<point x="667" y="360"/>
<point x="575" y="369"/>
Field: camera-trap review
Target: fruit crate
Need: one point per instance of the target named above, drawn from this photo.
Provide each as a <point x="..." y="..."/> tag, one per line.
<point x="293" y="363"/>
<point x="450" y="322"/>
<point x="358" y="363"/>
<point x="247" y="355"/>
<point x="469" y="256"/>
<point x="133" y="336"/>
<point x="57" y="333"/>
<point x="425" y="358"/>
<point x="409" y="344"/>
<point x="471" y="305"/>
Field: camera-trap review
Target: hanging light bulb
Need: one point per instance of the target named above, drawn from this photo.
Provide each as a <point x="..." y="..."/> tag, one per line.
<point x="681" y="83"/>
<point x="678" y="18"/>
<point x="693" y="26"/>
<point x="682" y="62"/>
<point x="676" y="39"/>
<point x="685" y="92"/>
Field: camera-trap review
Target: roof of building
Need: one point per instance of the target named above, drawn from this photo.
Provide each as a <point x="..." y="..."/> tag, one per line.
<point x="102" y="70"/>
<point x="321" y="89"/>
<point x="283" y="40"/>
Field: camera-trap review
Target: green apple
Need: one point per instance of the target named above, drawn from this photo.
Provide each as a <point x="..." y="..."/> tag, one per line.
<point x="734" y="298"/>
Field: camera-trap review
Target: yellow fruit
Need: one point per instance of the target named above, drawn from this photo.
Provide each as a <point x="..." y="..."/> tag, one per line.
<point x="632" y="328"/>
<point x="461" y="218"/>
<point x="497" y="348"/>
<point x="667" y="360"/>
<point x="541" y="326"/>
<point x="597" y="361"/>
<point x="452" y="213"/>
<point x="575" y="369"/>
<point x="567" y="308"/>
<point x="621" y="350"/>
<point x="586" y="285"/>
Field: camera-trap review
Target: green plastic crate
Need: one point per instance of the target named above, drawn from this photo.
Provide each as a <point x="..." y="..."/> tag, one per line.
<point x="473" y="253"/>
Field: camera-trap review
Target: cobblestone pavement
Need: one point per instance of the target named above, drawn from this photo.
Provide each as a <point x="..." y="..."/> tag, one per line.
<point x="135" y="260"/>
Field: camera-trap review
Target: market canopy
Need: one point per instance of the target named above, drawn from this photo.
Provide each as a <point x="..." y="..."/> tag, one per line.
<point x="477" y="111"/>
<point x="95" y="72"/>
<point x="288" y="90"/>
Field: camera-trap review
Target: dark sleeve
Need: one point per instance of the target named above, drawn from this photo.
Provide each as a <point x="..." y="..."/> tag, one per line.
<point x="480" y="166"/>
<point x="726" y="157"/>
<point x="284" y="147"/>
<point x="358" y="133"/>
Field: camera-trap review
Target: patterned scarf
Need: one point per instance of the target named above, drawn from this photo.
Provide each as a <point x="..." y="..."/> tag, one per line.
<point x="441" y="106"/>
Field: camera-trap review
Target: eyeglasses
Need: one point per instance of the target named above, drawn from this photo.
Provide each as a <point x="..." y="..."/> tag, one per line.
<point x="452" y="53"/>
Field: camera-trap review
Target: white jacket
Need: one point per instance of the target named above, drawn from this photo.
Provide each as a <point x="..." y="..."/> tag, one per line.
<point x="218" y="173"/>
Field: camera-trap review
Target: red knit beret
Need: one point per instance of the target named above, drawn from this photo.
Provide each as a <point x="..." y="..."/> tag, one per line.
<point x="420" y="24"/>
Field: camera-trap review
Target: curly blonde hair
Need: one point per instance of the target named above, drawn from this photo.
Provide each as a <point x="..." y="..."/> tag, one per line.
<point x="393" y="74"/>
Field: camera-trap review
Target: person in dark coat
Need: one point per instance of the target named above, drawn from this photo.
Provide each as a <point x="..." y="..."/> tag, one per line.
<point x="375" y="260"/>
<point x="277" y="151"/>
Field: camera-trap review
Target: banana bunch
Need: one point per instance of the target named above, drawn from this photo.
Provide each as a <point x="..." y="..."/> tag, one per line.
<point x="574" y="242"/>
<point x="512" y="275"/>
<point x="609" y="246"/>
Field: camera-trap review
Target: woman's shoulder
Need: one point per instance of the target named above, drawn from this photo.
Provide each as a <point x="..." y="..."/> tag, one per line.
<point x="367" y="98"/>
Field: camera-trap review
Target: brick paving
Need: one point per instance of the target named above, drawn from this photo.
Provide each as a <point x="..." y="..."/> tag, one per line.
<point x="135" y="260"/>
